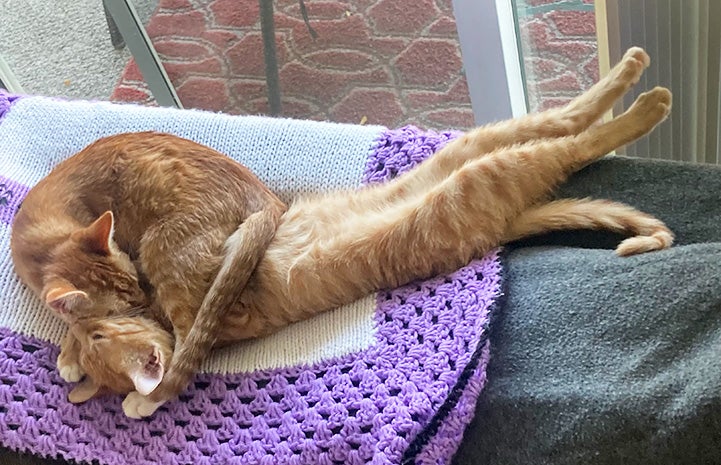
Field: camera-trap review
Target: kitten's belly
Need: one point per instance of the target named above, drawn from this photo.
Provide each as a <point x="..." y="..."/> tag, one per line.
<point x="268" y="303"/>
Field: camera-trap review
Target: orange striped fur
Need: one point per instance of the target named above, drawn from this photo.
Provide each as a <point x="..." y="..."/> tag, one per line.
<point x="486" y="188"/>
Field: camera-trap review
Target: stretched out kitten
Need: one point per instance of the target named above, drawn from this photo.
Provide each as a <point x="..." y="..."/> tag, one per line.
<point x="483" y="189"/>
<point x="145" y="200"/>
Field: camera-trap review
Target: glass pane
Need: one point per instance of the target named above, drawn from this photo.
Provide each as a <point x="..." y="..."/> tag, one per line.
<point x="60" y="48"/>
<point x="389" y="62"/>
<point x="559" y="49"/>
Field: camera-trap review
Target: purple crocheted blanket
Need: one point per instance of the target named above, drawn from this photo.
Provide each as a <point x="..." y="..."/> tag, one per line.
<point x="404" y="398"/>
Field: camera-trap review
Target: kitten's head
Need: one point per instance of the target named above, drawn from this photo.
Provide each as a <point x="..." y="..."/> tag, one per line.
<point x="121" y="354"/>
<point x="90" y="276"/>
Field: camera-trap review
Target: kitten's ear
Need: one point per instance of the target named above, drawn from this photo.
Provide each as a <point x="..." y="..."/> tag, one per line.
<point x="149" y="372"/>
<point x="63" y="297"/>
<point x="97" y="238"/>
<point x="84" y="391"/>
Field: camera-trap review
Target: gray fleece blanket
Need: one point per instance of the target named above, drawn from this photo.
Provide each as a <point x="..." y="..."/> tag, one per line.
<point x="604" y="360"/>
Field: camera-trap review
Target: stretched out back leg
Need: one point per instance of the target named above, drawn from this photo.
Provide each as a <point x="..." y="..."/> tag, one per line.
<point x="487" y="194"/>
<point x="572" y="119"/>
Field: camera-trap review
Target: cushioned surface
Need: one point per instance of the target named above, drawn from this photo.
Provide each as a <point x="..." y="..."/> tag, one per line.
<point x="606" y="360"/>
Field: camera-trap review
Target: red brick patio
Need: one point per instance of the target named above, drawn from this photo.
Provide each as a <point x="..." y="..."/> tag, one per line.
<point x="560" y="52"/>
<point x="389" y="62"/>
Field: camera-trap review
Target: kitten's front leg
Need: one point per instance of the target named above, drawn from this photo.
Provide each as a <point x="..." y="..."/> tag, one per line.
<point x="68" y="361"/>
<point x="138" y="406"/>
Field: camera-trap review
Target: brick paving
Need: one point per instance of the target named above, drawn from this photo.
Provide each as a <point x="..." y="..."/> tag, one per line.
<point x="389" y="62"/>
<point x="560" y="50"/>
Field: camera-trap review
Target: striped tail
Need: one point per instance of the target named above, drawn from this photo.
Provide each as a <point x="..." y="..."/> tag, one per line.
<point x="648" y="233"/>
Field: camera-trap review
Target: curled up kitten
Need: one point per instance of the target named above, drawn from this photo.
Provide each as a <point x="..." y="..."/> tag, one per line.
<point x="144" y="201"/>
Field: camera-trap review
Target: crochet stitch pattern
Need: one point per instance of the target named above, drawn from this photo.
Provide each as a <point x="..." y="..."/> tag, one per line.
<point x="405" y="399"/>
<point x="6" y="100"/>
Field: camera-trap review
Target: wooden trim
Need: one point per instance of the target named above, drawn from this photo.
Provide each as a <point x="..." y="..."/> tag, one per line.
<point x="608" y="39"/>
<point x="604" y="61"/>
<point x="611" y="50"/>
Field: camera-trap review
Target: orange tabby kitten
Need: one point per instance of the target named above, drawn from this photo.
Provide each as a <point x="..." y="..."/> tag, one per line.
<point x="483" y="189"/>
<point x="148" y="198"/>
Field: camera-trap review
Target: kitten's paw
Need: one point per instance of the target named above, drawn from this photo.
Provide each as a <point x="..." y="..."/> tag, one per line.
<point x="69" y="371"/>
<point x="634" y="62"/>
<point x="139" y="406"/>
<point x="654" y="104"/>
<point x="638" y="54"/>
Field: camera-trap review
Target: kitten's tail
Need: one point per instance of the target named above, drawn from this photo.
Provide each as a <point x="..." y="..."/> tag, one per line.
<point x="649" y="233"/>
<point x="243" y="250"/>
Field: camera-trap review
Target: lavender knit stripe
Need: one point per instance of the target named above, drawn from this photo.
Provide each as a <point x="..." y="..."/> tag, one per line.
<point x="6" y="100"/>
<point x="361" y="408"/>
<point x="445" y="441"/>
<point x="11" y="195"/>
<point x="430" y="357"/>
<point x="395" y="153"/>
<point x="399" y="150"/>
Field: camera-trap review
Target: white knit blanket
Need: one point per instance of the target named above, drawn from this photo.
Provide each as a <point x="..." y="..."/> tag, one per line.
<point x="292" y="157"/>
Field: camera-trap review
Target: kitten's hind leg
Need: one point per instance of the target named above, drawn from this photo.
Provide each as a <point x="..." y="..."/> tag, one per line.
<point x="482" y="198"/>
<point x="510" y="180"/>
<point x="649" y="109"/>
<point x="463" y="216"/>
<point x="588" y="107"/>
<point x="649" y="233"/>
<point x="570" y="120"/>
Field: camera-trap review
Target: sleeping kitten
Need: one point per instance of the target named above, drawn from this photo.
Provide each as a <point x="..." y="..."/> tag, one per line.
<point x="483" y="189"/>
<point x="145" y="198"/>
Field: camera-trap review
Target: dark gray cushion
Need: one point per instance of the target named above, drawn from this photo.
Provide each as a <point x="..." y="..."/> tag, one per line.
<point x="598" y="359"/>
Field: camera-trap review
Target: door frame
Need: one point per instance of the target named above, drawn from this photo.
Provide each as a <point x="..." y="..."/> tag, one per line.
<point x="487" y="32"/>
